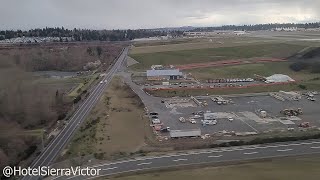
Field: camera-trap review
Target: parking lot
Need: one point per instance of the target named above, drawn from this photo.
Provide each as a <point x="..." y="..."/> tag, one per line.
<point x="244" y="114"/>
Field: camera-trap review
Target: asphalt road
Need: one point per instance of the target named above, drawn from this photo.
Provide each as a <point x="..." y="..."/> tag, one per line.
<point x="210" y="156"/>
<point x="50" y="152"/>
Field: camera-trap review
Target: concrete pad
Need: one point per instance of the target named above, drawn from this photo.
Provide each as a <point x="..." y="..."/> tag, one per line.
<point x="131" y="61"/>
<point x="287" y="122"/>
<point x="253" y="116"/>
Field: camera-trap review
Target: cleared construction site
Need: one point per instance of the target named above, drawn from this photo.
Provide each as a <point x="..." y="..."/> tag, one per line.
<point x="236" y="115"/>
<point x="229" y="116"/>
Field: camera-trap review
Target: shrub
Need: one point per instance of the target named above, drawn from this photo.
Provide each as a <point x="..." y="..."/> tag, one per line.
<point x="62" y="116"/>
<point x="302" y="86"/>
<point x="315" y="68"/>
<point x="298" y="66"/>
<point x="76" y="99"/>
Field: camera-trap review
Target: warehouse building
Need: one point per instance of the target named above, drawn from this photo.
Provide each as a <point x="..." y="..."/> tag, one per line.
<point x="185" y="133"/>
<point x="171" y="74"/>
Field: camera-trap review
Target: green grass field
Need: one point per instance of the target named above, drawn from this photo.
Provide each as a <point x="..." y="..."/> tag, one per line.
<point x="214" y="54"/>
<point x="248" y="70"/>
<point x="83" y="85"/>
<point x="198" y="43"/>
<point x="293" y="168"/>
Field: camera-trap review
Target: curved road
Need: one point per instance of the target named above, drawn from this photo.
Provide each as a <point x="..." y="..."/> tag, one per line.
<point x="216" y="155"/>
<point x="50" y="152"/>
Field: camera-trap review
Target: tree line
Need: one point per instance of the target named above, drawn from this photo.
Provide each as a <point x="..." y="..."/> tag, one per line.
<point x="124" y="35"/>
<point x="82" y="34"/>
<point x="257" y="27"/>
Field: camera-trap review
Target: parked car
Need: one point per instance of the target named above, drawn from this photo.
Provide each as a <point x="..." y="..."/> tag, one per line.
<point x="193" y="121"/>
<point x="166" y="129"/>
<point x="153" y="114"/>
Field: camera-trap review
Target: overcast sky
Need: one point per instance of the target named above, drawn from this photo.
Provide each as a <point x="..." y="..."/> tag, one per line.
<point x="124" y="14"/>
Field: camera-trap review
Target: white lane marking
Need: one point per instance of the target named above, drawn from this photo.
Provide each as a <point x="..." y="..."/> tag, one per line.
<point x="216" y="156"/>
<point x="284" y="150"/>
<point x="175" y="160"/>
<point x="110" y="168"/>
<point x="146" y="163"/>
<point x="135" y="170"/>
<point x="249" y="125"/>
<point x="315" y="147"/>
<point x="217" y="151"/>
<point x="249" y="153"/>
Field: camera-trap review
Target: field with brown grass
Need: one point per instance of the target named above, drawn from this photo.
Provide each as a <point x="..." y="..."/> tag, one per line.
<point x="30" y="102"/>
<point x="116" y="126"/>
<point x="66" y="57"/>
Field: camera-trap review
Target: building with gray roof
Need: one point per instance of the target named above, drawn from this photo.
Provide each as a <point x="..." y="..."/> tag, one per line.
<point x="167" y="74"/>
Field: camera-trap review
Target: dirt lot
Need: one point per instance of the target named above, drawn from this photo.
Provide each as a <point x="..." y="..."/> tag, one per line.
<point x="275" y="50"/>
<point x="293" y="168"/>
<point x="115" y="127"/>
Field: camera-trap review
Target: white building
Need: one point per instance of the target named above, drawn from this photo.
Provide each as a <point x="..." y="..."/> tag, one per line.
<point x="239" y="33"/>
<point x="286" y="29"/>
<point x="154" y="67"/>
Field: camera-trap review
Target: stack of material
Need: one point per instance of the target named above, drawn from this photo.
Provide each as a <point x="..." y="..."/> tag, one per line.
<point x="277" y="78"/>
<point x="185" y="133"/>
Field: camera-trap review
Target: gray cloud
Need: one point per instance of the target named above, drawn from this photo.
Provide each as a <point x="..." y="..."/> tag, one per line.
<point x="114" y="14"/>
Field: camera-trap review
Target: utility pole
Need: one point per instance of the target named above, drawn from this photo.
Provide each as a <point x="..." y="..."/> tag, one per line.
<point x="42" y="138"/>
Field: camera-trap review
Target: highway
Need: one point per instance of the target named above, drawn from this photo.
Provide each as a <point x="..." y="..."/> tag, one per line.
<point x="54" y="148"/>
<point x="205" y="156"/>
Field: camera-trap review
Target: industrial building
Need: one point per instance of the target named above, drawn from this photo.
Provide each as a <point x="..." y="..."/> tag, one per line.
<point x="185" y="133"/>
<point x="169" y="74"/>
